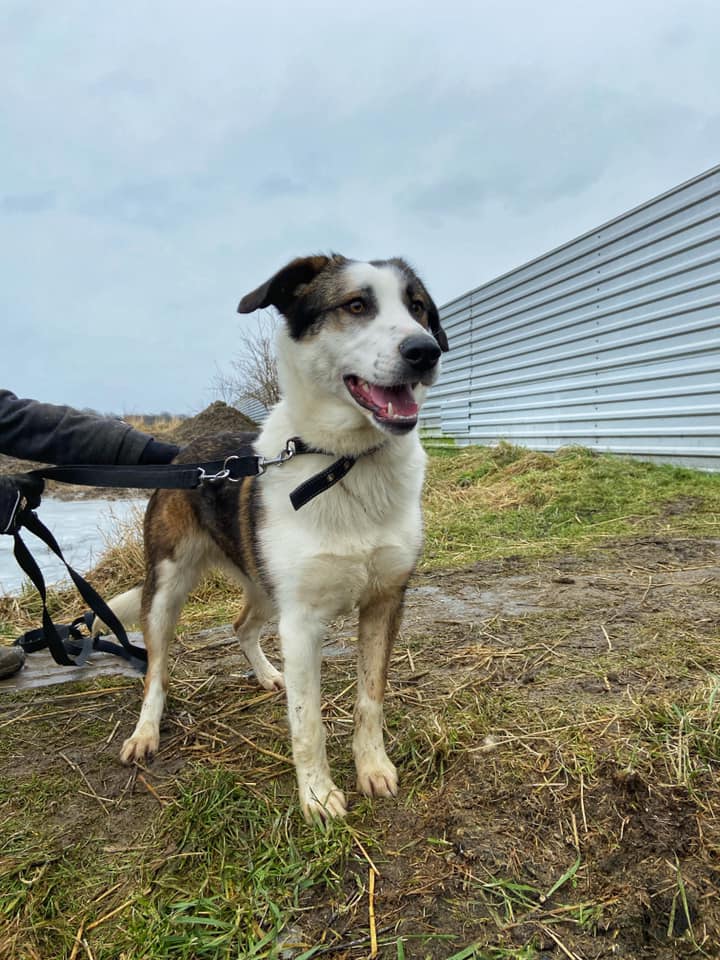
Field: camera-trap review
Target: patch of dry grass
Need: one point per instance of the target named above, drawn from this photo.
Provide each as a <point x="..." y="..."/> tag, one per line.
<point x="559" y="768"/>
<point x="164" y="428"/>
<point x="487" y="502"/>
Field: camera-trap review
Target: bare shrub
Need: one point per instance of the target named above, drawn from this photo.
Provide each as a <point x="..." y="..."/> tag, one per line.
<point x="252" y="375"/>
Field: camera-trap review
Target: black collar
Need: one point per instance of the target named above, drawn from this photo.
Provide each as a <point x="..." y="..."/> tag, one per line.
<point x="327" y="478"/>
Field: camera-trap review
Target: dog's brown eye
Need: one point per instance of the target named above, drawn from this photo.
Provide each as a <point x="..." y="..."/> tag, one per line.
<point x="356" y="306"/>
<point x="417" y="308"/>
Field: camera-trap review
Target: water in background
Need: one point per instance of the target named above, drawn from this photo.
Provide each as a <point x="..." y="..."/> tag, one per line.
<point x="79" y="526"/>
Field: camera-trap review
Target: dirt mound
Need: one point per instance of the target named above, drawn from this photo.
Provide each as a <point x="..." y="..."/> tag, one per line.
<point x="13" y="465"/>
<point x="217" y="418"/>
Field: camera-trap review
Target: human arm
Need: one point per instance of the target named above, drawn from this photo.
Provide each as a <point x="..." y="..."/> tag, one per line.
<point x="48" y="433"/>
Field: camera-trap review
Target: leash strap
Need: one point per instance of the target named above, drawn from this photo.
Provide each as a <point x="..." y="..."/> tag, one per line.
<point x="181" y="476"/>
<point x="75" y="641"/>
<point x="173" y="476"/>
<point x="52" y="636"/>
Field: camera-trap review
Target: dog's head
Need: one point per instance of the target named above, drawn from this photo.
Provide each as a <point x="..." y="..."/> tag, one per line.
<point x="370" y="331"/>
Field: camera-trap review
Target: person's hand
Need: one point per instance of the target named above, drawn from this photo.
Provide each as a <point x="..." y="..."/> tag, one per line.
<point x="18" y="492"/>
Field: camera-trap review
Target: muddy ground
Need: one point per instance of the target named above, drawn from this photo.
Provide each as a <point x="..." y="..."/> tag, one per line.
<point x="546" y="717"/>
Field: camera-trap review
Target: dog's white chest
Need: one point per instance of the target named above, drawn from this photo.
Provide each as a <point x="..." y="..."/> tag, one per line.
<point x="354" y="541"/>
<point x="336" y="583"/>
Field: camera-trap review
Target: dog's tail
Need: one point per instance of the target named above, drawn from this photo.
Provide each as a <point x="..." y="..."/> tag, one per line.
<point x="125" y="606"/>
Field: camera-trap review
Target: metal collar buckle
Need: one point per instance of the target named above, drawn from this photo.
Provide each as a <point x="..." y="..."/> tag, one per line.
<point x="287" y="454"/>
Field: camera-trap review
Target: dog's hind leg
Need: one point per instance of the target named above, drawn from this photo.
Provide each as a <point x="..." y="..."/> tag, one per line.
<point x="126" y="607"/>
<point x="165" y="590"/>
<point x="378" y="627"/>
<point x="247" y="629"/>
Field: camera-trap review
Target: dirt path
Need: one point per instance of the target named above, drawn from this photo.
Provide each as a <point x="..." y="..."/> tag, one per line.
<point x="556" y="736"/>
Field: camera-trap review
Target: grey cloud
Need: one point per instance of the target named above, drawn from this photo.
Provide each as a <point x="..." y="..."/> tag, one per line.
<point x="530" y="142"/>
<point x="462" y="196"/>
<point x="17" y="23"/>
<point x="151" y="203"/>
<point x="122" y="81"/>
<point x="278" y="185"/>
<point x="28" y="202"/>
<point x="679" y="35"/>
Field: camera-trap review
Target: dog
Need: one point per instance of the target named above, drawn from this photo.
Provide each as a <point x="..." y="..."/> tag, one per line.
<point x="360" y="345"/>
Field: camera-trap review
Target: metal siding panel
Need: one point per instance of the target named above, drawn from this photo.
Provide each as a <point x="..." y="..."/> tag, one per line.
<point x="684" y="370"/>
<point x="695" y="281"/>
<point x="599" y="262"/>
<point x="678" y="314"/>
<point x="629" y="405"/>
<point x="611" y="341"/>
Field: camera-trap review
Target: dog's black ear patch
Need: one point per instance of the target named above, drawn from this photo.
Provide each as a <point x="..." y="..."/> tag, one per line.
<point x="435" y="328"/>
<point x="280" y="290"/>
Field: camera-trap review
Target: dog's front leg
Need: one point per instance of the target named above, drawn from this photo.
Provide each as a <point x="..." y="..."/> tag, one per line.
<point x="378" y="627"/>
<point x="301" y="635"/>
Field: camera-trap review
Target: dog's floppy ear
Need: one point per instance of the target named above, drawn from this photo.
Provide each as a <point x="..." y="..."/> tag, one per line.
<point x="279" y="291"/>
<point x="435" y="328"/>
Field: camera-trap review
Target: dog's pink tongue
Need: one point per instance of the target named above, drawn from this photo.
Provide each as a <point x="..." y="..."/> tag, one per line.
<point x="401" y="398"/>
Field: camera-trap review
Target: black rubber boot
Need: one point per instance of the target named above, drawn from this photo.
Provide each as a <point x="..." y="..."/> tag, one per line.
<point x="11" y="660"/>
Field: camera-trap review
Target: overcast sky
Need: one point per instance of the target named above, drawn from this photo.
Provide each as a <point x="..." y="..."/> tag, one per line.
<point x="160" y="159"/>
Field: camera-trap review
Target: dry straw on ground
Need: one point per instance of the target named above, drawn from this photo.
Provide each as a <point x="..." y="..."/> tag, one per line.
<point x="552" y="708"/>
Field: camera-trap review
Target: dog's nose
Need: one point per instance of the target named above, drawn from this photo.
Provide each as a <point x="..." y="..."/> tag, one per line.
<point x="421" y="352"/>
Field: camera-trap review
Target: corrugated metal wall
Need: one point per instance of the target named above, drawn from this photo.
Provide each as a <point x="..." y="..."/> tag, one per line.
<point x="256" y="411"/>
<point x="611" y="341"/>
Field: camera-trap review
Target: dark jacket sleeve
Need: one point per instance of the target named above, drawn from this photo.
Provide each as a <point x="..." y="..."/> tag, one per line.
<point x="47" y="433"/>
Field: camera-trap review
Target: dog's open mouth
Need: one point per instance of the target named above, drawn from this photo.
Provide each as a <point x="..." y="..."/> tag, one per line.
<point x="393" y="407"/>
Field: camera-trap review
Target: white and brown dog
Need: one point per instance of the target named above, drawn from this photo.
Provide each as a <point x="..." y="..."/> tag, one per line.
<point x="360" y="345"/>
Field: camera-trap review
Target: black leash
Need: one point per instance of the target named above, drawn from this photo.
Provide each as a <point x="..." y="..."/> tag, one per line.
<point x="78" y="642"/>
<point x="189" y="476"/>
<point x="58" y="639"/>
<point x="172" y="476"/>
<point x="67" y="643"/>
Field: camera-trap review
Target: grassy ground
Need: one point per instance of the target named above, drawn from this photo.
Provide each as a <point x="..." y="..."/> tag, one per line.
<point x="495" y="501"/>
<point x="554" y="710"/>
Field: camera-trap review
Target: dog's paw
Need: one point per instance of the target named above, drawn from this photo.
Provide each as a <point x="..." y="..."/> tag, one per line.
<point x="265" y="673"/>
<point x="270" y="678"/>
<point x="379" y="779"/>
<point x="139" y="747"/>
<point x="323" y="803"/>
